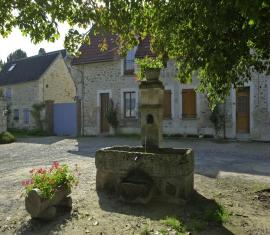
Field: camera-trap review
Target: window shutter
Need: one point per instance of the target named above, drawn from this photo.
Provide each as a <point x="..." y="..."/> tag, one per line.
<point x="167" y="112"/>
<point x="188" y="103"/>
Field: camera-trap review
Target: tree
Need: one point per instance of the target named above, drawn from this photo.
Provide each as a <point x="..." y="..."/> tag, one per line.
<point x="16" y="55"/>
<point x="41" y="51"/>
<point x="1" y="64"/>
<point x="222" y="42"/>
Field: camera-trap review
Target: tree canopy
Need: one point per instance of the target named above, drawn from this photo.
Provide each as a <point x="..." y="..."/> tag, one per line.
<point x="18" y="54"/>
<point x="222" y="42"/>
<point x="41" y="51"/>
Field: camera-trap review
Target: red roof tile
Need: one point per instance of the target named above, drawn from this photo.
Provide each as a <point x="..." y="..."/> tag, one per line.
<point x="144" y="49"/>
<point x="92" y="53"/>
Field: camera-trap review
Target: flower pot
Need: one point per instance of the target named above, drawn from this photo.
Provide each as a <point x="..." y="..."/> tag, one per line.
<point x="42" y="208"/>
<point x="152" y="74"/>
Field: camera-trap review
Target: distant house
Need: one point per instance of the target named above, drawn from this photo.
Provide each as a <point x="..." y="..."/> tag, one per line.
<point x="104" y="75"/>
<point x="34" y="80"/>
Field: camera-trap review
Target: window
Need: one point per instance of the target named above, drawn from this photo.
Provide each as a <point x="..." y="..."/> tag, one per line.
<point x="129" y="104"/>
<point x="167" y="112"/>
<point x="129" y="62"/>
<point x="11" y="67"/>
<point x="8" y="93"/>
<point x="188" y="103"/>
<point x="16" y="114"/>
<point x="26" y="116"/>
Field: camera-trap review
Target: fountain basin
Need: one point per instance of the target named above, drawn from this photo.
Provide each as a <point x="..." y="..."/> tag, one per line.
<point x="163" y="174"/>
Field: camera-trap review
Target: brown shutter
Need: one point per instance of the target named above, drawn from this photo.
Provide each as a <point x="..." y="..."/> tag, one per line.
<point x="167" y="112"/>
<point x="188" y="103"/>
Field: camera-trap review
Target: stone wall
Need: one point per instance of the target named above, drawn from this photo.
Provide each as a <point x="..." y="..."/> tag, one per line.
<point x="24" y="95"/>
<point x="100" y="78"/>
<point x="57" y="84"/>
<point x="93" y="79"/>
<point x="3" y="118"/>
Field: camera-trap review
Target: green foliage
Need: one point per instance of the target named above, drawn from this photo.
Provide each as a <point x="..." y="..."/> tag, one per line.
<point x="49" y="180"/>
<point x="112" y="115"/>
<point x="41" y="51"/>
<point x="36" y="114"/>
<point x="211" y="214"/>
<point x="222" y="42"/>
<point x="217" y="118"/>
<point x="175" y="224"/>
<point x="16" y="55"/>
<point x="6" y="138"/>
<point x="147" y="63"/>
<point x="1" y="64"/>
<point x="145" y="231"/>
<point x="27" y="133"/>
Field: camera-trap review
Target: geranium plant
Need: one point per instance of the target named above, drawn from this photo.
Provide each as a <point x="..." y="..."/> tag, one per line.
<point x="49" y="180"/>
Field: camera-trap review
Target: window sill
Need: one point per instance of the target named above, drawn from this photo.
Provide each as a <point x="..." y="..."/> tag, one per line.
<point x="189" y="118"/>
<point x="128" y="75"/>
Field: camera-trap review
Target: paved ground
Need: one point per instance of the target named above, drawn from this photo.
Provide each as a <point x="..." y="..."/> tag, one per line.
<point x="212" y="159"/>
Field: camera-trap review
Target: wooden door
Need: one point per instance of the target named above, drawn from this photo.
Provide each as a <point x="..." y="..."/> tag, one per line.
<point x="104" y="103"/>
<point x="242" y="110"/>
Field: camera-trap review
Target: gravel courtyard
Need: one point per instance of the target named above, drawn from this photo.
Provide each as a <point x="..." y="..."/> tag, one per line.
<point x="218" y="166"/>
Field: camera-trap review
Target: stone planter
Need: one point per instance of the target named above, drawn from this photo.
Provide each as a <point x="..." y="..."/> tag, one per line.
<point x="40" y="208"/>
<point x="152" y="74"/>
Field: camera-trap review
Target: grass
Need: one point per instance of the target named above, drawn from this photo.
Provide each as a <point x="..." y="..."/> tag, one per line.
<point x="145" y="231"/>
<point x="7" y="138"/>
<point x="175" y="224"/>
<point x="201" y="216"/>
<point x="28" y="133"/>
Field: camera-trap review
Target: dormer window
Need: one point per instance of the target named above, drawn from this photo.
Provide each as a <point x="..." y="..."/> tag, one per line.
<point x="11" y="67"/>
<point x="129" y="62"/>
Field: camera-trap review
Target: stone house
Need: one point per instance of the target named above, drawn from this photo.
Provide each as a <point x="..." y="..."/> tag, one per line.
<point x="104" y="75"/>
<point x="35" y="80"/>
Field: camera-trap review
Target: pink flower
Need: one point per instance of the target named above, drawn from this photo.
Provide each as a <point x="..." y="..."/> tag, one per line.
<point x="55" y="164"/>
<point x="41" y="170"/>
<point x="27" y="182"/>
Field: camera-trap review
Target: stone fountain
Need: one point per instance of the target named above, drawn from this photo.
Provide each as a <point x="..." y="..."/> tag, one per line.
<point x="148" y="172"/>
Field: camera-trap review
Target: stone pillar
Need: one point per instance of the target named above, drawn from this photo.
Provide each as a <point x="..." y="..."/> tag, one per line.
<point x="151" y="109"/>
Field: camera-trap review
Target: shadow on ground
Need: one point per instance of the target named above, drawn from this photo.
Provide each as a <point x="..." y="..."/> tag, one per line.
<point x="34" y="226"/>
<point x="87" y="146"/>
<point x="197" y="215"/>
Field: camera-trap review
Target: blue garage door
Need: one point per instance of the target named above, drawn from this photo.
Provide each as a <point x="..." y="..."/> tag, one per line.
<point x="65" y="119"/>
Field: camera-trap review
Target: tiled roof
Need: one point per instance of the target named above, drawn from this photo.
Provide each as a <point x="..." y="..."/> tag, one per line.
<point x="27" y="69"/>
<point x="144" y="49"/>
<point x="92" y="53"/>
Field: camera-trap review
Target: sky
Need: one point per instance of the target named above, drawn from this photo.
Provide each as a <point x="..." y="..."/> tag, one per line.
<point x="17" y="41"/>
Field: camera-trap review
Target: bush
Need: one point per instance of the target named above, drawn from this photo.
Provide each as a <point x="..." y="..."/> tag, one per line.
<point x="7" y="138"/>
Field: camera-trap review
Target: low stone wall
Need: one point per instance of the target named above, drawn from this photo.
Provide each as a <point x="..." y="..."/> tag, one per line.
<point x="137" y="176"/>
<point x="3" y="117"/>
